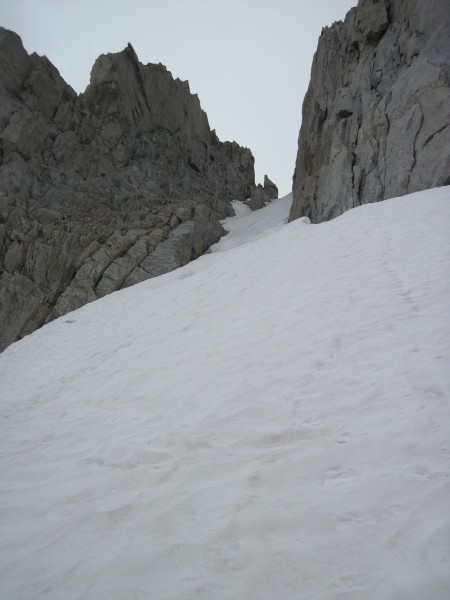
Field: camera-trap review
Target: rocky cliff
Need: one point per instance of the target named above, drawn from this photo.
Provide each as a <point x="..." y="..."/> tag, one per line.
<point x="106" y="189"/>
<point x="376" y="117"/>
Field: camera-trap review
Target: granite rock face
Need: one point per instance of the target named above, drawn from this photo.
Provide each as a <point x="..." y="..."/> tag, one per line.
<point x="376" y="117"/>
<point x="102" y="190"/>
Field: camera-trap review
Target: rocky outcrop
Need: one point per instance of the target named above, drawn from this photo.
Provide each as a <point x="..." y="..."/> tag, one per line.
<point x="376" y="117"/>
<point x="261" y="195"/>
<point x="102" y="190"/>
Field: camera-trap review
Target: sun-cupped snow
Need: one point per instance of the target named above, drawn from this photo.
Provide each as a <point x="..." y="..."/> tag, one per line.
<point x="270" y="421"/>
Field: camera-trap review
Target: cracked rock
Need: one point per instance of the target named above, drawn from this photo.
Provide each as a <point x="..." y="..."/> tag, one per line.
<point x="104" y="189"/>
<point x="376" y="117"/>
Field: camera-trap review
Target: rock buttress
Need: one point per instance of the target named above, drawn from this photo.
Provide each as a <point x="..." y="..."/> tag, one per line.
<point x="376" y="117"/>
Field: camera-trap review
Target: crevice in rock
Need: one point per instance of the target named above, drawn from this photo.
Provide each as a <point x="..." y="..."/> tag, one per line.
<point x="428" y="140"/>
<point x="414" y="146"/>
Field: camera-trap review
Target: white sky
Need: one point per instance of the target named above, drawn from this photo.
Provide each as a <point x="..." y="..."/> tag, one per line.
<point x="248" y="60"/>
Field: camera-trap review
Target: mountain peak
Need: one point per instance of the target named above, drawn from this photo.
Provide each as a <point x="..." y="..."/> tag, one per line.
<point x="106" y="189"/>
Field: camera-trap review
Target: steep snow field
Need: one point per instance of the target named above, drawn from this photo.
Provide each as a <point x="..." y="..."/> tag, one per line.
<point x="269" y="422"/>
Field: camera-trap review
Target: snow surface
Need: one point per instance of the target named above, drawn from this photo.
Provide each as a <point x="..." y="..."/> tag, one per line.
<point x="269" y="422"/>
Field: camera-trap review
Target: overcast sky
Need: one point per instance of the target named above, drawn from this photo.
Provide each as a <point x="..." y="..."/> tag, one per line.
<point x="248" y="60"/>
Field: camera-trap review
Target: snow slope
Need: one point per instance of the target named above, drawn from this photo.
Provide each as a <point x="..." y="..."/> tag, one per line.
<point x="268" y="422"/>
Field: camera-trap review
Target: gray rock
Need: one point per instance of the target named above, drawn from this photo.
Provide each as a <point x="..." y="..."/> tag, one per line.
<point x="270" y="188"/>
<point x="376" y="117"/>
<point x="187" y="242"/>
<point x="261" y="195"/>
<point x="105" y="189"/>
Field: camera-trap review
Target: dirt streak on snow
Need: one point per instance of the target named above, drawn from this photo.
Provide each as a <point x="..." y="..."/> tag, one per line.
<point x="271" y="421"/>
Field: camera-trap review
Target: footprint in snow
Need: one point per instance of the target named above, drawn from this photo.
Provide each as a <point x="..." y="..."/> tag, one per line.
<point x="340" y="474"/>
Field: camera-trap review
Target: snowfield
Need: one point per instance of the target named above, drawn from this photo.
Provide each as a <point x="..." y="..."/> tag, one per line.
<point x="270" y="422"/>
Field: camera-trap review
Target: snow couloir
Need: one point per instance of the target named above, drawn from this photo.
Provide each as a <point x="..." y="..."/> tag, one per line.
<point x="270" y="421"/>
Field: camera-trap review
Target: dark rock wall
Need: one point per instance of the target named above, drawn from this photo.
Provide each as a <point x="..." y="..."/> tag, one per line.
<point x="376" y="117"/>
<point x="102" y="190"/>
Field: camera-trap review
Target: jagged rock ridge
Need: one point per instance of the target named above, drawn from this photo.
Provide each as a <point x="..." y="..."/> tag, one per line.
<point x="106" y="189"/>
<point x="376" y="117"/>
